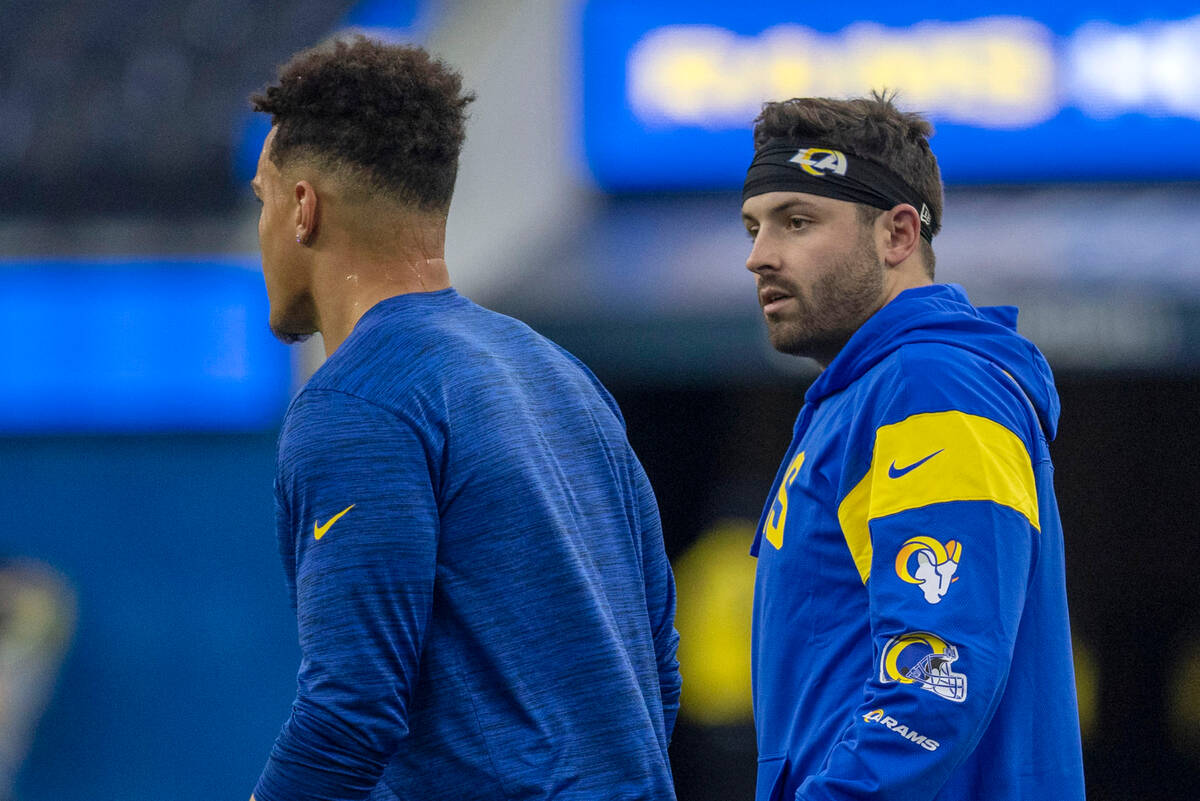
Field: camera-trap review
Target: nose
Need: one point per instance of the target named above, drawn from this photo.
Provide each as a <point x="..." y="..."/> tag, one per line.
<point x="763" y="254"/>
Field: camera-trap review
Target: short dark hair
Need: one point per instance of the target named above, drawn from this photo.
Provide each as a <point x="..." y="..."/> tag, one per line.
<point x="871" y="128"/>
<point x="392" y="115"/>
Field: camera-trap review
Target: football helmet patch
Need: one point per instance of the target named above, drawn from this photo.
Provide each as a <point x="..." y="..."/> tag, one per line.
<point x="923" y="658"/>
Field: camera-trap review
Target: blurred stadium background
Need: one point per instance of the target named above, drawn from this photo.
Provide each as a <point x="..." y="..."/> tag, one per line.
<point x="598" y="198"/>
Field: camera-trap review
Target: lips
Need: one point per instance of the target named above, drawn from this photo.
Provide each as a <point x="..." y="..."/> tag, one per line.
<point x="772" y="298"/>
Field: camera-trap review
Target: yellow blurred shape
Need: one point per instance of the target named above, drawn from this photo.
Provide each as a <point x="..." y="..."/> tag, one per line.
<point x="1183" y="710"/>
<point x="1087" y="686"/>
<point x="715" y="589"/>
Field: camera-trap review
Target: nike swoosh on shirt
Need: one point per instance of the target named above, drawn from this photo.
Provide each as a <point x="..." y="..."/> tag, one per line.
<point x="319" y="531"/>
<point x="896" y="472"/>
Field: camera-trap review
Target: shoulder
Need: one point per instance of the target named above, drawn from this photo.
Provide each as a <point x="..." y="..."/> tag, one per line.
<point x="322" y="419"/>
<point x="941" y="379"/>
<point x="405" y="357"/>
<point x="333" y="438"/>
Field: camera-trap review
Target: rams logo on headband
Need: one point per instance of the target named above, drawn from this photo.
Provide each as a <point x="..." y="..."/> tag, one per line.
<point x="925" y="561"/>
<point x="923" y="658"/>
<point x="818" y="161"/>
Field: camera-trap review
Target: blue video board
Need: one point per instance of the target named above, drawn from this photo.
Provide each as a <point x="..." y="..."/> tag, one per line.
<point x="138" y="346"/>
<point x="1018" y="91"/>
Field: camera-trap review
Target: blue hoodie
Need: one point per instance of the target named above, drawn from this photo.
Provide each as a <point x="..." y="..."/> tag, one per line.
<point x="911" y="638"/>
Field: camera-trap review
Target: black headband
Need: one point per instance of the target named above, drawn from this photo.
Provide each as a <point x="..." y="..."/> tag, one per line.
<point x="781" y="166"/>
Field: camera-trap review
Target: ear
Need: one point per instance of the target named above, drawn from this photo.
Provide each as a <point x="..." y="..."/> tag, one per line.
<point x="306" y="212"/>
<point x="901" y="234"/>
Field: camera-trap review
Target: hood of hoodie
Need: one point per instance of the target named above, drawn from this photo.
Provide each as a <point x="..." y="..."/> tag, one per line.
<point x="941" y="313"/>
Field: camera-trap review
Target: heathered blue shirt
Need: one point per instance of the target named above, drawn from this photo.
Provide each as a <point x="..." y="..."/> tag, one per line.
<point x="475" y="556"/>
<point x="911" y="638"/>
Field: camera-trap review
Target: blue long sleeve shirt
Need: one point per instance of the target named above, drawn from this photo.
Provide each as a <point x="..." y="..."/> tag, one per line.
<point x="484" y="604"/>
<point x="910" y="636"/>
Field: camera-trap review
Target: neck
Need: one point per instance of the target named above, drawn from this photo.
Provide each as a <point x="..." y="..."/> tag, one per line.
<point x="366" y="252"/>
<point x="910" y="274"/>
<point x="350" y="282"/>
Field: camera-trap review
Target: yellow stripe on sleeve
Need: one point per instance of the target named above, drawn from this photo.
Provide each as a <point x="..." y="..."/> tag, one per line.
<point x="936" y="458"/>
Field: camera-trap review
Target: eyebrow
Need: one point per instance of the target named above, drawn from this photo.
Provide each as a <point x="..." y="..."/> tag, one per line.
<point x="784" y="206"/>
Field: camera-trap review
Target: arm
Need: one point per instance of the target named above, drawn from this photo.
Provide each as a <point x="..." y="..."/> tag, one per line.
<point x="660" y="600"/>
<point x="945" y="549"/>
<point x="357" y="485"/>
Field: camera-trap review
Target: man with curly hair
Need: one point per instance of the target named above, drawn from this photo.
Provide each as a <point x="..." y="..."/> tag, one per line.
<point x="910" y="632"/>
<point x="484" y="604"/>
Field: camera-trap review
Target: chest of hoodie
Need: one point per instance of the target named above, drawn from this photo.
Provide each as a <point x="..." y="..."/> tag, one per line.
<point x="811" y="603"/>
<point x="809" y="593"/>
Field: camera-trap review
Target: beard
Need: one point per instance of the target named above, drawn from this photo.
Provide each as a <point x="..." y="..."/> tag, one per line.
<point x="288" y="337"/>
<point x="819" y="322"/>
<point x="296" y="322"/>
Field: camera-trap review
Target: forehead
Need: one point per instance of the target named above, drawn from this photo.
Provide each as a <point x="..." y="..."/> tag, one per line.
<point x="768" y="203"/>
